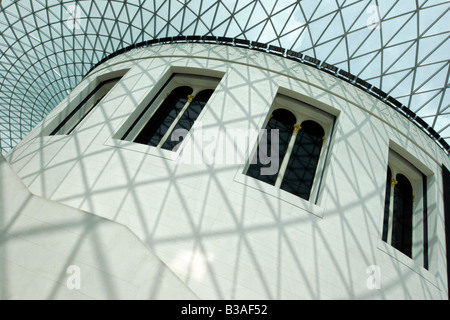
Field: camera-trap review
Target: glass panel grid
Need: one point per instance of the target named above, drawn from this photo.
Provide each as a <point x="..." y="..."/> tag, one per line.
<point x="47" y="46"/>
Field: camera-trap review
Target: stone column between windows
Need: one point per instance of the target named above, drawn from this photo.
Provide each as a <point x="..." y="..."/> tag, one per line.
<point x="394" y="182"/>
<point x="175" y="122"/>
<point x="285" y="162"/>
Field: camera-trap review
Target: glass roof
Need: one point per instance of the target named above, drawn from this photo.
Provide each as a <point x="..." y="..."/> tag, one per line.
<point x="401" y="47"/>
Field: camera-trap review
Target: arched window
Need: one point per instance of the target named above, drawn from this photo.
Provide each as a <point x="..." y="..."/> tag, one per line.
<point x="402" y="218"/>
<point x="299" y="147"/>
<point x="398" y="213"/>
<point x="280" y="126"/>
<point x="163" y="118"/>
<point x="187" y="119"/>
<point x="301" y="169"/>
<point x="405" y="209"/>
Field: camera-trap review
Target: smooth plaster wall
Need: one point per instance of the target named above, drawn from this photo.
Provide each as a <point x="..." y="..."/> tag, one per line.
<point x="41" y="242"/>
<point x="223" y="237"/>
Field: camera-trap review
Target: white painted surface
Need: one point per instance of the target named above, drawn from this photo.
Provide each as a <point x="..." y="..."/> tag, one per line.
<point x="224" y="238"/>
<point x="52" y="251"/>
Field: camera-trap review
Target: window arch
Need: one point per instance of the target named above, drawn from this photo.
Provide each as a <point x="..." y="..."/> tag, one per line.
<point x="301" y="169"/>
<point x="402" y="217"/>
<point x="398" y="213"/>
<point x="166" y="119"/>
<point x="164" y="116"/>
<point x="187" y="119"/>
<point x="280" y="126"/>
<point x="301" y="135"/>
<point x="405" y="209"/>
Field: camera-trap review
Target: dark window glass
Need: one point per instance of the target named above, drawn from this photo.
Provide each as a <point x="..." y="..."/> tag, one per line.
<point x="299" y="176"/>
<point x="387" y="202"/>
<point x="402" y="219"/>
<point x="446" y="185"/>
<point x="283" y="121"/>
<point x="425" y="220"/>
<point x="189" y="116"/>
<point x="86" y="113"/>
<point x="73" y="114"/>
<point x="163" y="118"/>
<point x="136" y="121"/>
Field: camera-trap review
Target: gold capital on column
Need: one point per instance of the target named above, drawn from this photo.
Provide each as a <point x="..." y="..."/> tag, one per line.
<point x="394" y="182"/>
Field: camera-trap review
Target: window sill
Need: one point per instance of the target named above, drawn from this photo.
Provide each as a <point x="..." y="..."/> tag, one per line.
<point x="407" y="261"/>
<point x="278" y="193"/>
<point x="142" y="148"/>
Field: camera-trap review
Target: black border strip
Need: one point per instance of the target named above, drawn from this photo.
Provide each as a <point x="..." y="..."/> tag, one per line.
<point x="80" y="105"/>
<point x="446" y="191"/>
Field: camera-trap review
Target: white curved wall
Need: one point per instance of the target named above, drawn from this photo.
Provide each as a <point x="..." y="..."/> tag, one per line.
<point x="52" y="251"/>
<point x="222" y="235"/>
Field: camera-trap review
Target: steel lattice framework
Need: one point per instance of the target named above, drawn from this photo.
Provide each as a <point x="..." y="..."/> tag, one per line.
<point x="401" y="47"/>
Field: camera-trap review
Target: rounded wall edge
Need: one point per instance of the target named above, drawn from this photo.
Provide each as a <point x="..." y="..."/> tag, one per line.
<point x="252" y="48"/>
<point x="202" y="218"/>
<point x="294" y="70"/>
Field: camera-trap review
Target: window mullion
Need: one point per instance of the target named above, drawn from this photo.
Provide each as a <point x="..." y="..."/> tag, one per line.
<point x="285" y="161"/>
<point x="391" y="211"/>
<point x="177" y="119"/>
